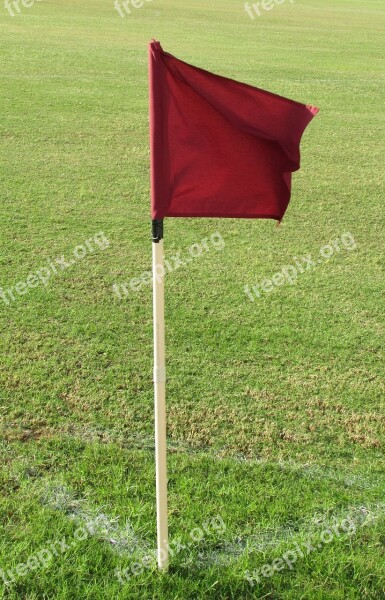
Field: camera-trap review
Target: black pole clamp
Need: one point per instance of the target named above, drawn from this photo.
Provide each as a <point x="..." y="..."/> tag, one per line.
<point x="157" y="230"/>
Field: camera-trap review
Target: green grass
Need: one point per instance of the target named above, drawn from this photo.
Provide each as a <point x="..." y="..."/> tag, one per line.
<point x="275" y="407"/>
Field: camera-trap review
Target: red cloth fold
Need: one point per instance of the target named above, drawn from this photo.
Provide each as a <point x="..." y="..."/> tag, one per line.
<point x="219" y="148"/>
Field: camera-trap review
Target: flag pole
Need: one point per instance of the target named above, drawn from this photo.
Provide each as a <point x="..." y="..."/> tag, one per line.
<point x="160" y="394"/>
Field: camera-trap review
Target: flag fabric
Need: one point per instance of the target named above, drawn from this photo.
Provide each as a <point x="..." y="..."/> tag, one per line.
<point x="219" y="147"/>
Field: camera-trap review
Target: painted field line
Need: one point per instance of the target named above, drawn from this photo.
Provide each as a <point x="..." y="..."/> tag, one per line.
<point x="273" y="538"/>
<point x="309" y="470"/>
<point x="124" y="541"/>
<point x="121" y="539"/>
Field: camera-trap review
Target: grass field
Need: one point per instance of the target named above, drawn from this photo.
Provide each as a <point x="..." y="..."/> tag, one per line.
<point x="275" y="406"/>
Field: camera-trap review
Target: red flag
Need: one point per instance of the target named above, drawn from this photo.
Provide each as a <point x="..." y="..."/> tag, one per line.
<point x="219" y="148"/>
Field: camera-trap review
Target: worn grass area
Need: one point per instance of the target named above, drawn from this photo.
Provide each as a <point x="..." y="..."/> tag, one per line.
<point x="275" y="407"/>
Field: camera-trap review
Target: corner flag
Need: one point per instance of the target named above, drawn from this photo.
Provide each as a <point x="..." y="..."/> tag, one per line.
<point x="219" y="148"/>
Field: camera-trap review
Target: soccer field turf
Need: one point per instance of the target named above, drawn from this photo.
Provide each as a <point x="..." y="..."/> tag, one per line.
<point x="275" y="391"/>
